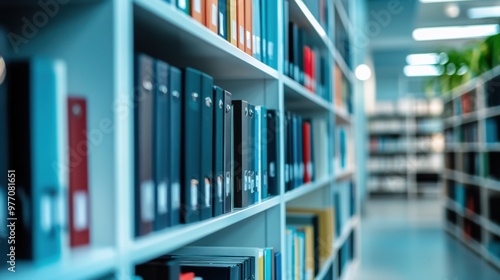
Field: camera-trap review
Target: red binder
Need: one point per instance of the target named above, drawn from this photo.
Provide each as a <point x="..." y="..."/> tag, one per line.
<point x="307" y="67"/>
<point x="306" y="136"/>
<point x="79" y="205"/>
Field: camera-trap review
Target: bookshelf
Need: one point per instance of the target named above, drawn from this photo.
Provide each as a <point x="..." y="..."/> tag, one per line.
<point x="406" y="147"/>
<point x="471" y="182"/>
<point x="97" y="39"/>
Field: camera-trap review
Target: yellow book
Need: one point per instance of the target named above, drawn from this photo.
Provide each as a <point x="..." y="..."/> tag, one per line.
<point x="261" y="264"/>
<point x="309" y="231"/>
<point x="232" y="28"/>
<point x="326" y="226"/>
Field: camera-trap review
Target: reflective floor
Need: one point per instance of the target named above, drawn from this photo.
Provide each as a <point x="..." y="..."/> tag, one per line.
<point x="404" y="240"/>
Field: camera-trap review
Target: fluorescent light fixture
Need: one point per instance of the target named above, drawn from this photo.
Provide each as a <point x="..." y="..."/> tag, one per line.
<point x="440" y="1"/>
<point x="422" y="59"/>
<point x="421" y="70"/>
<point x="363" y="72"/>
<point x="484" y="12"/>
<point x="454" y="32"/>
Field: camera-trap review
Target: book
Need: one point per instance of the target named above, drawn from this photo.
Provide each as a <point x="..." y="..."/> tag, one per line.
<point x="161" y="139"/>
<point x="145" y="187"/>
<point x="272" y="135"/>
<point x="228" y="135"/>
<point x="241" y="152"/>
<point x="191" y="146"/>
<point x="37" y="145"/>
<point x="175" y="102"/>
<point x="211" y="15"/>
<point x="78" y="198"/>
<point x="218" y="150"/>
<point x="206" y="142"/>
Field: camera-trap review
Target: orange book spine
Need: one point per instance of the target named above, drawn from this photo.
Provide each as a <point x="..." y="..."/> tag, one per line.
<point x="248" y="27"/>
<point x="211" y="12"/>
<point x="240" y="19"/>
<point x="198" y="10"/>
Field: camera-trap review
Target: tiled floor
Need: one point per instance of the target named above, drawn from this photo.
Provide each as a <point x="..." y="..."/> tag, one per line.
<point x="404" y="240"/>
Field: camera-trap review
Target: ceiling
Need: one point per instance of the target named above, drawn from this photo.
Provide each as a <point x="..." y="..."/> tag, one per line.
<point x="393" y="39"/>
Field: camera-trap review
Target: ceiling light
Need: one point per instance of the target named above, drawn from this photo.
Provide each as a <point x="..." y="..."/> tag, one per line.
<point x="452" y="10"/>
<point x="454" y="32"/>
<point x="484" y="12"/>
<point x="440" y="1"/>
<point x="363" y="72"/>
<point x="422" y="70"/>
<point x="422" y="59"/>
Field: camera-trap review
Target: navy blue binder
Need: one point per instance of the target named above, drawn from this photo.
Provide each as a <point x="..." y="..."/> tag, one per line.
<point x="207" y="123"/>
<point x="37" y="137"/>
<point x="218" y="149"/>
<point x="289" y="166"/>
<point x="162" y="144"/>
<point x="145" y="192"/>
<point x="272" y="141"/>
<point x="228" y="153"/>
<point x="222" y="24"/>
<point x="175" y="143"/>
<point x="191" y="146"/>
<point x="241" y="168"/>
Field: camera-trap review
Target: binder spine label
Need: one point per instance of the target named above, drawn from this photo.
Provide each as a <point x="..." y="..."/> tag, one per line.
<point x="214" y="15"/>
<point x="80" y="216"/>
<point x="46" y="213"/>
<point x="197" y="6"/>
<point x="162" y="197"/>
<point x="221" y="24"/>
<point x="233" y="29"/>
<point x="182" y="4"/>
<point x="208" y="192"/>
<point x="194" y="194"/>
<point x="147" y="204"/>
<point x="242" y="35"/>
<point x="176" y="195"/>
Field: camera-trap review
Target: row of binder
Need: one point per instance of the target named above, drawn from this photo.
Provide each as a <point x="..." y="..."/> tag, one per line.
<point x="342" y="40"/>
<point x="250" y="25"/>
<point x="303" y="62"/>
<point x="214" y="263"/>
<point x="299" y="147"/>
<point x="309" y="241"/>
<point x="344" y="204"/>
<point x="198" y="152"/>
<point x="44" y="146"/>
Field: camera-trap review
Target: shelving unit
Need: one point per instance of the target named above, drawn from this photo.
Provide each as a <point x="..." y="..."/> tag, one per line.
<point x="406" y="157"/>
<point x="471" y="185"/>
<point x="97" y="40"/>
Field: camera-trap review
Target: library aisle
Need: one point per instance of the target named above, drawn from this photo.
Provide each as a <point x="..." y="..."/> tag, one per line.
<point x="404" y="239"/>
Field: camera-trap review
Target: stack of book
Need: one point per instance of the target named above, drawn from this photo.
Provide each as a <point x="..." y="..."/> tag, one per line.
<point x="250" y="25"/>
<point x="309" y="237"/>
<point x="214" y="263"/>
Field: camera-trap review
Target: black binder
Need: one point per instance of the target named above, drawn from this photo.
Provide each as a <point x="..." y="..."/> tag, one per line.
<point x="175" y="143"/>
<point x="3" y="162"/>
<point x="162" y="143"/>
<point x="241" y="170"/>
<point x="144" y="112"/>
<point x="272" y="152"/>
<point x="191" y="146"/>
<point x="159" y="270"/>
<point x="218" y="148"/>
<point x="213" y="271"/>
<point x="228" y="153"/>
<point x="207" y="123"/>
<point x="250" y="152"/>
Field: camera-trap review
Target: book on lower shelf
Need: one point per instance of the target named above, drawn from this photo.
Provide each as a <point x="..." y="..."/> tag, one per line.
<point x="213" y="263"/>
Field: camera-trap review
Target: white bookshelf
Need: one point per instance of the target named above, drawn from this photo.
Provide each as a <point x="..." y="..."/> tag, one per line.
<point x="97" y="40"/>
